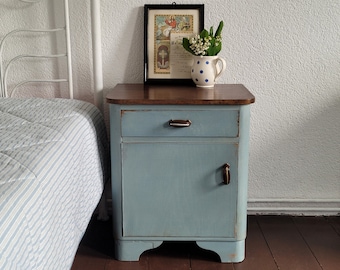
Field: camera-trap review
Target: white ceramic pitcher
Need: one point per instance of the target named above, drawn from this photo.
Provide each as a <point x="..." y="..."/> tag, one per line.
<point x="206" y="69"/>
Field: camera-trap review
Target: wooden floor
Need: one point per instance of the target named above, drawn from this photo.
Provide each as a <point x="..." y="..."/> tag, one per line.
<point x="273" y="242"/>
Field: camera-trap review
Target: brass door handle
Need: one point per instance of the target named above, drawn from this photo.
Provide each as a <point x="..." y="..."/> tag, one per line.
<point x="179" y="123"/>
<point x="226" y="174"/>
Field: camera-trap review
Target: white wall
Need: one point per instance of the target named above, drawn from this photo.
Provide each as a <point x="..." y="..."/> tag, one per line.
<point x="286" y="52"/>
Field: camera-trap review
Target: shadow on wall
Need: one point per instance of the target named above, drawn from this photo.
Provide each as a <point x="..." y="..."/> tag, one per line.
<point x="135" y="58"/>
<point x="304" y="164"/>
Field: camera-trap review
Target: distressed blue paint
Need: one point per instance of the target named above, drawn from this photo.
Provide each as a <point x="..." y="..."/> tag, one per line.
<point x="167" y="182"/>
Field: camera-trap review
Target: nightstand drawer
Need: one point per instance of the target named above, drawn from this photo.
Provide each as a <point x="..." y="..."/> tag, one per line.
<point x="203" y="123"/>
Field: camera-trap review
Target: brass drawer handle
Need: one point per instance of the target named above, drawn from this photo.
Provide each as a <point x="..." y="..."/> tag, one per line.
<point x="179" y="123"/>
<point x="226" y="174"/>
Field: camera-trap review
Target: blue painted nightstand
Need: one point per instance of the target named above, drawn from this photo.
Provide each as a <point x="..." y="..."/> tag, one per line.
<point x="179" y="167"/>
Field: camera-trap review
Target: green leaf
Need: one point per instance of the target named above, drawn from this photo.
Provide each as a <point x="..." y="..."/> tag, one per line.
<point x="204" y="34"/>
<point x="219" y="29"/>
<point x="214" y="50"/>
<point x="186" y="45"/>
<point x="211" y="31"/>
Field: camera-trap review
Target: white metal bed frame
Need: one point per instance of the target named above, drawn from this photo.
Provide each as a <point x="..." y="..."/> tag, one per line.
<point x="96" y="49"/>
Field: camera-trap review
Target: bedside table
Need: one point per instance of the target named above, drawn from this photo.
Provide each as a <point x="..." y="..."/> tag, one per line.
<point x="179" y="167"/>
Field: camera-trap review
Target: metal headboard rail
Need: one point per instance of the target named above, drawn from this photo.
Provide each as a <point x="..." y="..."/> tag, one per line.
<point x="4" y="70"/>
<point x="28" y="81"/>
<point x="30" y="1"/>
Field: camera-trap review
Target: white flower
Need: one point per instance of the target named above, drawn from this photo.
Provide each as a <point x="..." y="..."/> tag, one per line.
<point x="205" y="43"/>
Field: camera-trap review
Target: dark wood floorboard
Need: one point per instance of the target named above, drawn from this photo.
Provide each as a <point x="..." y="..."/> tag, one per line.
<point x="206" y="260"/>
<point x="289" y="249"/>
<point x="335" y="222"/>
<point x="322" y="240"/>
<point x="169" y="256"/>
<point x="273" y="243"/>
<point x="258" y="254"/>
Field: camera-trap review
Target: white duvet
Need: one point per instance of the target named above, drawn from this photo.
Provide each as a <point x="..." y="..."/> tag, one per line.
<point x="53" y="164"/>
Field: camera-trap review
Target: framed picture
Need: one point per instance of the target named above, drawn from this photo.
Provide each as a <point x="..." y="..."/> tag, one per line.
<point x="165" y="60"/>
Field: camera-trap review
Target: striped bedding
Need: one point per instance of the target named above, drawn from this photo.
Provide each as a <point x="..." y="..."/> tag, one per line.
<point x="53" y="165"/>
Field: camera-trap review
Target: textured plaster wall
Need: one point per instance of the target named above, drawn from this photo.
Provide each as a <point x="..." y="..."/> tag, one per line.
<point x="286" y="52"/>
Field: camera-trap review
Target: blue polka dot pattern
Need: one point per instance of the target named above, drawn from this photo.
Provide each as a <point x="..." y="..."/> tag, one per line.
<point x="203" y="71"/>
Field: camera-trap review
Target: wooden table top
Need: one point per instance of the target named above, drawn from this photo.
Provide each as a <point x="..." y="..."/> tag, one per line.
<point x="140" y="94"/>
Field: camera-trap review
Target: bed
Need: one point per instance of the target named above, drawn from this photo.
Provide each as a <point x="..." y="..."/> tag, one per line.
<point x="53" y="168"/>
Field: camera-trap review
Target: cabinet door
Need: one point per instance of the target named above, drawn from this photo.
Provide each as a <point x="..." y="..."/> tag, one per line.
<point x="176" y="189"/>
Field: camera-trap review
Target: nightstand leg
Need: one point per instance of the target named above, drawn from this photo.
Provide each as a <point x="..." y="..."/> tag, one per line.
<point x="228" y="251"/>
<point x="126" y="250"/>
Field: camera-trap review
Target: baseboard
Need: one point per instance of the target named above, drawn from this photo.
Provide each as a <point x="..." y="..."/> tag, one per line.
<point x="316" y="207"/>
<point x="310" y="207"/>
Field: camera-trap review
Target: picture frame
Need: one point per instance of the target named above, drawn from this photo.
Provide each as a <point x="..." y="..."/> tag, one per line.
<point x="165" y="60"/>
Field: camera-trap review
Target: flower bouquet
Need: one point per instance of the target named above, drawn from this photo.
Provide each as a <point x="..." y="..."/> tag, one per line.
<point x="206" y="43"/>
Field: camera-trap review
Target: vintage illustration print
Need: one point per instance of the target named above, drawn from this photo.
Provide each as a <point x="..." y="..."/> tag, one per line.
<point x="164" y="26"/>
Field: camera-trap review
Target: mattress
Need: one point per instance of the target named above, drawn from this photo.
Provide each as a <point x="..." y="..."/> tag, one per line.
<point x="53" y="165"/>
